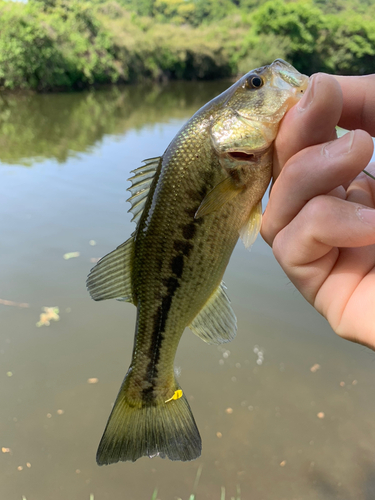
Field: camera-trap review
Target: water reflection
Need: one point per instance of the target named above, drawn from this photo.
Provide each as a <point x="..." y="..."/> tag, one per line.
<point x="36" y="127"/>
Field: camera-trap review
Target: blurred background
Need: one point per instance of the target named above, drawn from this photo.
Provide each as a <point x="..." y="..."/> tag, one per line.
<point x="70" y="44"/>
<point x="286" y="410"/>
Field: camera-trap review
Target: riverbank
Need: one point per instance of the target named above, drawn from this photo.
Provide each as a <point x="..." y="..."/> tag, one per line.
<point x="54" y="45"/>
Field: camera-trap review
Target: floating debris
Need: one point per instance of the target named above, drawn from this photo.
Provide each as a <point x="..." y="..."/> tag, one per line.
<point x="28" y="465"/>
<point x="219" y="435"/>
<point x="355" y="382"/>
<point x="60" y="412"/>
<point x="92" y="243"/>
<point x="342" y="384"/>
<point x="260" y="354"/>
<point x="49" y="415"/>
<point x="229" y="411"/>
<point x="321" y="414"/>
<point x="11" y="303"/>
<point x="5" y="450"/>
<point x="283" y="463"/>
<point x="94" y="260"/>
<point x="20" y="467"/>
<point x="9" y="374"/>
<point x="315" y="368"/>
<point x="78" y="471"/>
<point x="71" y="255"/>
<point x="50" y="313"/>
<point x="92" y="380"/>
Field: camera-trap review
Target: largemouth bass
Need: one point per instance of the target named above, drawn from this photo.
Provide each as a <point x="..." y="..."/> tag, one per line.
<point x="191" y="205"/>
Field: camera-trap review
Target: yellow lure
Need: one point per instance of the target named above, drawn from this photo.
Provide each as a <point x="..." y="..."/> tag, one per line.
<point x="177" y="395"/>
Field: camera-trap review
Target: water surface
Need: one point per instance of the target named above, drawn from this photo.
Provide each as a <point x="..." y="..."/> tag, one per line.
<point x="269" y="425"/>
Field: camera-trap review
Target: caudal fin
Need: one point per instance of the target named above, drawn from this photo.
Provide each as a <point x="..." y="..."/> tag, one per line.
<point x="164" y="429"/>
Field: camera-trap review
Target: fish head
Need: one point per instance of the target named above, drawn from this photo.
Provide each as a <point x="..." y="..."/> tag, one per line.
<point x="253" y="108"/>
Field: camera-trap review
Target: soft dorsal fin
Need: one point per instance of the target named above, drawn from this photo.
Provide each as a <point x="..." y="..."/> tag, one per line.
<point x="250" y="230"/>
<point x="111" y="277"/>
<point x="216" y="323"/>
<point x="141" y="182"/>
<point x="222" y="193"/>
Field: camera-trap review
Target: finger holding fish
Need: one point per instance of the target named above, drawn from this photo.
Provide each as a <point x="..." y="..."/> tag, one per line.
<point x="358" y="102"/>
<point x="311" y="121"/>
<point x="314" y="171"/>
<point x="325" y="243"/>
<point x="331" y="261"/>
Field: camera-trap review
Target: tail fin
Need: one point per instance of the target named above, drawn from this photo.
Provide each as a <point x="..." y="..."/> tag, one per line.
<point x="164" y="429"/>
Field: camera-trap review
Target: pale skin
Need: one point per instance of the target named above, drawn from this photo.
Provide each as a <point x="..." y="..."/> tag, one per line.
<point x="320" y="219"/>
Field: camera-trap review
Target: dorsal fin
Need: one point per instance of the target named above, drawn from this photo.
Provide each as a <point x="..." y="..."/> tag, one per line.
<point x="111" y="277"/>
<point x="141" y="182"/>
<point x="250" y="230"/>
<point x="216" y="323"/>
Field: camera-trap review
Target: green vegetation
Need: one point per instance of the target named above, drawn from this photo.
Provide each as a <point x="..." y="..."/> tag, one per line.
<point x="71" y="44"/>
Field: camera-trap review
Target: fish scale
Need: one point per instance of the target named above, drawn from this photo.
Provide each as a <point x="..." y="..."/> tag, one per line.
<point x="197" y="199"/>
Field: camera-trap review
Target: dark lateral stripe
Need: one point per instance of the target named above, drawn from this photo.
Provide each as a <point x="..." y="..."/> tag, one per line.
<point x="189" y="230"/>
<point x="178" y="265"/>
<point x="157" y="338"/>
<point x="183" y="248"/>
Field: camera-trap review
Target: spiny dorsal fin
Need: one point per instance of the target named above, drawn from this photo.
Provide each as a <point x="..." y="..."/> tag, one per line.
<point x="250" y="230"/>
<point x="216" y="323"/>
<point x="111" y="277"/>
<point x="222" y="193"/>
<point x="141" y="182"/>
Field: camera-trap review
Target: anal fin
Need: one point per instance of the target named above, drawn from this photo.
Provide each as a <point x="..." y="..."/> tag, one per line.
<point x="216" y="323"/>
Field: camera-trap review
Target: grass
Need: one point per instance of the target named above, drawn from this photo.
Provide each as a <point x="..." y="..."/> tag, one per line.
<point x="193" y="495"/>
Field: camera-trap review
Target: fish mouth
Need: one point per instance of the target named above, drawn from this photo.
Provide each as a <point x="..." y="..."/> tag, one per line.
<point x="249" y="156"/>
<point x="242" y="156"/>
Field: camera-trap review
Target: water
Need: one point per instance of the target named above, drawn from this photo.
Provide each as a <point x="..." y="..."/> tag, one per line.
<point x="269" y="425"/>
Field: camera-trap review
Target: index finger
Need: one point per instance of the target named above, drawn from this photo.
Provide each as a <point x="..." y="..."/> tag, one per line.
<point x="358" y="102"/>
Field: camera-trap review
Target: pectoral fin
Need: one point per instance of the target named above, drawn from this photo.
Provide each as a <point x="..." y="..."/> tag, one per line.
<point x="250" y="230"/>
<point x="222" y="193"/>
<point x="111" y="277"/>
<point x="216" y="323"/>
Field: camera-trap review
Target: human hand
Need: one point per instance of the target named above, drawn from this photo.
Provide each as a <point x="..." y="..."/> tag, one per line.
<point x="320" y="219"/>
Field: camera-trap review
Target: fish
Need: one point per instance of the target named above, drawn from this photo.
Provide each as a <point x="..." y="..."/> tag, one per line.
<point x="190" y="206"/>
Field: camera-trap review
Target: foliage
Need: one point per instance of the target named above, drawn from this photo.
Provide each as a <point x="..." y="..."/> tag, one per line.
<point x="350" y="45"/>
<point x="72" y="44"/>
<point x="301" y="22"/>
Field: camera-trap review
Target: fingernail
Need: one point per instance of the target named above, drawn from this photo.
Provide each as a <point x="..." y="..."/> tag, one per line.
<point x="307" y="99"/>
<point x="339" y="147"/>
<point x="366" y="215"/>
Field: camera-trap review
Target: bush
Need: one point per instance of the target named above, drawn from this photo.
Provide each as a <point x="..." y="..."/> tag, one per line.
<point x="72" y="44"/>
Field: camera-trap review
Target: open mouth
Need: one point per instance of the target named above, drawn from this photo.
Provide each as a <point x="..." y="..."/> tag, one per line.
<point x="241" y="156"/>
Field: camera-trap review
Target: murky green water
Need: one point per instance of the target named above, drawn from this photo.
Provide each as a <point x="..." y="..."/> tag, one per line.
<point x="269" y="425"/>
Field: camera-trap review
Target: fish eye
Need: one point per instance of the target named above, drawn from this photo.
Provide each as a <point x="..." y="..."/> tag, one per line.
<point x="254" y="82"/>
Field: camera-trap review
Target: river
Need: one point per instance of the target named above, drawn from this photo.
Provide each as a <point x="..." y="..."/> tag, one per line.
<point x="286" y="410"/>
